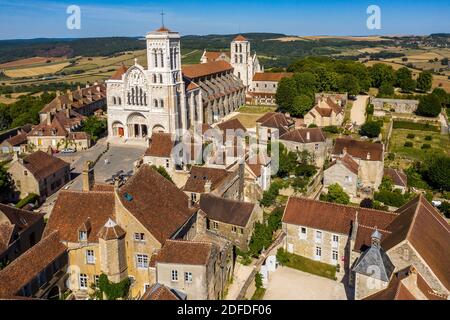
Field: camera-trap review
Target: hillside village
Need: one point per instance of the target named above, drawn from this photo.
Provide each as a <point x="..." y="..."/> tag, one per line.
<point x="223" y="180"/>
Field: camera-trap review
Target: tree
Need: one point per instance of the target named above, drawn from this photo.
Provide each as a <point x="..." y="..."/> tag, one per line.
<point x="261" y="238"/>
<point x="336" y="195"/>
<point x="370" y="129"/>
<point x="94" y="127"/>
<point x="437" y="172"/>
<point x="386" y="89"/>
<point x="443" y="96"/>
<point x="286" y="93"/>
<point x="404" y="79"/>
<point x="381" y="73"/>
<point x="162" y="171"/>
<point x="349" y="83"/>
<point x="327" y="80"/>
<point x="424" y="81"/>
<point x="258" y="280"/>
<point x="307" y="83"/>
<point x="5" y="181"/>
<point x="429" y="106"/>
<point x="366" y="203"/>
<point x="301" y="105"/>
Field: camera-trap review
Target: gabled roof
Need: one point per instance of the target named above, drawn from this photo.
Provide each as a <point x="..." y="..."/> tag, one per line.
<point x="233" y="212"/>
<point x="240" y="38"/>
<point x="426" y="230"/>
<point x="214" y="55"/>
<point x="301" y="135"/>
<point x="350" y="164"/>
<point x="111" y="231"/>
<point x="398" y="176"/>
<point x="156" y="202"/>
<point x="396" y="290"/>
<point x="359" y="149"/>
<point x="42" y="165"/>
<point x="185" y="252"/>
<point x="119" y="73"/>
<point x="200" y="175"/>
<point x="159" y="292"/>
<point x="17" y="140"/>
<point x="275" y="120"/>
<point x="161" y="145"/>
<point x="26" y="267"/>
<point x="205" y="69"/>
<point x="271" y="76"/>
<point x="232" y="124"/>
<point x="74" y="208"/>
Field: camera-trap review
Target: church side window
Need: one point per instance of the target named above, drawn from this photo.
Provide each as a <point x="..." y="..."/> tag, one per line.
<point x="155" y="58"/>
<point x="114" y="100"/>
<point x="235" y="58"/>
<point x="160" y="78"/>
<point x="120" y="101"/>
<point x="161" y="103"/>
<point x="155" y="103"/>
<point x="162" y="59"/>
<point x="128" y="96"/>
<point x="154" y="78"/>
<point x="240" y="58"/>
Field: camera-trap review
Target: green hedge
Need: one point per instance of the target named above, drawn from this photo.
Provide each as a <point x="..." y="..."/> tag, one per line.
<point x="31" y="198"/>
<point x="415" y="126"/>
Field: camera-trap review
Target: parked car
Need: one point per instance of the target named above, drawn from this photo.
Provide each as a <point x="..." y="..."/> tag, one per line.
<point x="68" y="151"/>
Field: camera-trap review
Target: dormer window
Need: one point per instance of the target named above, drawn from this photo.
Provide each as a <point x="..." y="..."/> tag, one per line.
<point x="82" y="235"/>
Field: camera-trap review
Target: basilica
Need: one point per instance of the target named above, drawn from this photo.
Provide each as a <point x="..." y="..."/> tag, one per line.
<point x="169" y="98"/>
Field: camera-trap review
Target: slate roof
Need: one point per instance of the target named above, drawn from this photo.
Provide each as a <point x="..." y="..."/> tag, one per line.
<point x="232" y="212"/>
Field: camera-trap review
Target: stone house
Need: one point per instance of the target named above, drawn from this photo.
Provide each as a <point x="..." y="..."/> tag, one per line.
<point x="399" y="178"/>
<point x="312" y="140"/>
<point x="199" y="270"/>
<point x="160" y="152"/>
<point x="39" y="273"/>
<point x="326" y="112"/>
<point x="373" y="247"/>
<point x="39" y="173"/>
<point x="234" y="220"/>
<point x="264" y="87"/>
<point x="17" y="143"/>
<point x="343" y="171"/>
<point x="370" y="158"/>
<point x="257" y="177"/>
<point x="220" y="182"/>
<point x="272" y="125"/>
<point x="19" y="231"/>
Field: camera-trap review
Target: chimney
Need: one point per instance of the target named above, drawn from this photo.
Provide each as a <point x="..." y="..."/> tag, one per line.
<point x="308" y="135"/>
<point x="58" y="93"/>
<point x="69" y="94"/>
<point x="49" y="118"/>
<point x="58" y="104"/>
<point x="88" y="176"/>
<point x="208" y="185"/>
<point x="68" y="112"/>
<point x="368" y="155"/>
<point x="79" y="88"/>
<point x="344" y="151"/>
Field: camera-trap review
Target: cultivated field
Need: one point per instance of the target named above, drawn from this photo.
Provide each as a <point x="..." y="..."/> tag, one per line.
<point x="28" y="62"/>
<point x="35" y="71"/>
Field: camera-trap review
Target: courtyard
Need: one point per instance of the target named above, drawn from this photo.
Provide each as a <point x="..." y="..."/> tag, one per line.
<point x="290" y="284"/>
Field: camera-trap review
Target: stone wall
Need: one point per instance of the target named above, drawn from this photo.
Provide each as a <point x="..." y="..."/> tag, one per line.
<point x="395" y="105"/>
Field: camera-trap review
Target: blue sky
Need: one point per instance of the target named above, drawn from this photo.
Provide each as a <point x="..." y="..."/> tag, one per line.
<point x="20" y="19"/>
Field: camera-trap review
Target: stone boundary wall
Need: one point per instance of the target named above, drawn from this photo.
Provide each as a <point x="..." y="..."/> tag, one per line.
<point x="394" y="105"/>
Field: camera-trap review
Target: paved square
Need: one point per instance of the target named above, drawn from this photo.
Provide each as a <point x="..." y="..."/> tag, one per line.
<point x="290" y="284"/>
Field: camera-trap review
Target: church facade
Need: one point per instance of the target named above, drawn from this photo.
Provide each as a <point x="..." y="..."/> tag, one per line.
<point x="168" y="98"/>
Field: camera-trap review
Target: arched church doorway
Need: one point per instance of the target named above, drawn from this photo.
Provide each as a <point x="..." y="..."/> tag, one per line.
<point x="137" y="126"/>
<point x="118" y="129"/>
<point x="158" y="129"/>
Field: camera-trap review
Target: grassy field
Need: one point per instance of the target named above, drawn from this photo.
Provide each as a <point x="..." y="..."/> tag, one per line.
<point x="249" y="114"/>
<point x="28" y="62"/>
<point x="307" y="265"/>
<point x="439" y="143"/>
<point x="35" y="71"/>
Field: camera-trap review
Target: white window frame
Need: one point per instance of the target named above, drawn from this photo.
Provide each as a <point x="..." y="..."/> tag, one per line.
<point x="83" y="279"/>
<point x="188" y="277"/>
<point x="90" y="258"/>
<point x="174" y="275"/>
<point x="146" y="286"/>
<point x="139" y="236"/>
<point x="318" y="253"/>
<point x="141" y="261"/>
<point x="96" y="279"/>
<point x="334" y="243"/>
<point x="333" y="253"/>
<point x="82" y="235"/>
<point x="316" y="236"/>
<point x="302" y="235"/>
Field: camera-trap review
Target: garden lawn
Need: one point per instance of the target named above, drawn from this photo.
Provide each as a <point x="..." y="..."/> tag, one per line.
<point x="307" y="265"/>
<point x="439" y="143"/>
<point x="248" y="120"/>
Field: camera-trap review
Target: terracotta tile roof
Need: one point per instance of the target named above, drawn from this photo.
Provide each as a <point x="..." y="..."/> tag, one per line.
<point x="119" y="73"/>
<point x="205" y="69"/>
<point x="271" y="76"/>
<point x="156" y="202"/>
<point x="22" y="219"/>
<point x="78" y="136"/>
<point x="42" y="165"/>
<point x="363" y="239"/>
<point x="276" y="120"/>
<point x="255" y="164"/>
<point x="162" y="29"/>
<point x="185" y="252"/>
<point x="396" y="290"/>
<point x="324" y="112"/>
<point x="349" y="163"/>
<point x="398" y="176"/>
<point x="26" y="267"/>
<point x="73" y="209"/>
<point x="191" y="86"/>
<point x="359" y="149"/>
<point x="159" y="292"/>
<point x="17" y="140"/>
<point x="199" y="175"/>
<point x="240" y="38"/>
<point x="161" y="145"/>
<point x="232" y="124"/>
<point x="111" y="231"/>
<point x="301" y="135"/>
<point x="427" y="231"/>
<point x="103" y="187"/>
<point x="214" y="55"/>
<point x="6" y="235"/>
<point x="233" y="212"/>
<point x="333" y="217"/>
